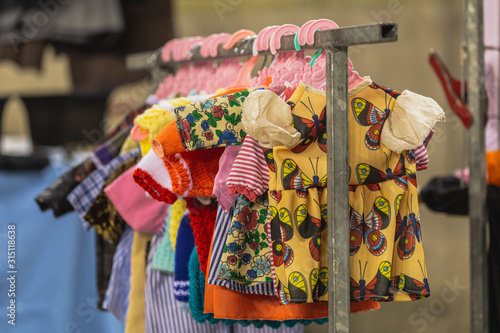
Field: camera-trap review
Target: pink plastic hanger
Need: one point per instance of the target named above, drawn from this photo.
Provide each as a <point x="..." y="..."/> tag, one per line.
<point x="305" y="35"/>
<point x="264" y="34"/>
<point x="244" y="75"/>
<point x="182" y="50"/>
<point x="166" y="50"/>
<point x="211" y="44"/>
<point x="286" y="65"/>
<point x="284" y="72"/>
<point x="275" y="40"/>
<point x="308" y="29"/>
<point x="236" y="37"/>
<point x="261" y="43"/>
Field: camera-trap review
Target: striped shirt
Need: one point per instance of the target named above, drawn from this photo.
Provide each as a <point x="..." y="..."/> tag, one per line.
<point x="222" y="225"/>
<point x="117" y="294"/>
<point x="249" y="175"/>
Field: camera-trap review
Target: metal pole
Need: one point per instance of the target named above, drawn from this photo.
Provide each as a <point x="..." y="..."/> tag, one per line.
<point x="477" y="164"/>
<point x="463" y="79"/>
<point x="338" y="190"/>
<point x="497" y="52"/>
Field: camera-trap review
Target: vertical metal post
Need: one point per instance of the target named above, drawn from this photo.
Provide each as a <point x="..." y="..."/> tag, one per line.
<point x="477" y="164"/>
<point x="338" y="190"/>
<point x="497" y="52"/>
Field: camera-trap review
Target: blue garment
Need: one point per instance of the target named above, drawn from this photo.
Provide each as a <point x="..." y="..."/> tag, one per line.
<point x="117" y="294"/>
<point x="55" y="280"/>
<point x="183" y="248"/>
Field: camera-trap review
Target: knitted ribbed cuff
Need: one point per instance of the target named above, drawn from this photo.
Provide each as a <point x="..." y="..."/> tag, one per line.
<point x="153" y="177"/>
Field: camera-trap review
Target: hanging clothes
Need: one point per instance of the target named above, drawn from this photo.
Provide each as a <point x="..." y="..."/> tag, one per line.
<point x="218" y="202"/>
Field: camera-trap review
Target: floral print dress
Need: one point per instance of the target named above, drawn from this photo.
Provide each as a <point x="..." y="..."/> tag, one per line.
<point x="246" y="258"/>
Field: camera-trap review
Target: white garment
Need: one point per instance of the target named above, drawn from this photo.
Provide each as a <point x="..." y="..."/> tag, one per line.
<point x="410" y="121"/>
<point x="268" y="119"/>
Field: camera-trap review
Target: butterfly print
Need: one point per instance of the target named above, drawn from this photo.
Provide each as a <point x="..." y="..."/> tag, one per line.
<point x="368" y="229"/>
<point x="415" y="288"/>
<point x="376" y="288"/>
<point x="268" y="154"/>
<point x="293" y="178"/>
<point x="282" y="254"/>
<point x="407" y="233"/>
<point x="366" y="114"/>
<point x="315" y="130"/>
<point x="302" y="193"/>
<point x="391" y="92"/>
<point x="297" y="287"/>
<point x="368" y="174"/>
<point x="281" y="231"/>
<point x="276" y="195"/>
<point x="309" y="226"/>
<point x="411" y="177"/>
<point x="322" y="140"/>
<point x="371" y="187"/>
<point x="319" y="282"/>
<point x="303" y="145"/>
<point x="283" y="292"/>
<point x="308" y="127"/>
<point x="410" y="156"/>
<point x="281" y="224"/>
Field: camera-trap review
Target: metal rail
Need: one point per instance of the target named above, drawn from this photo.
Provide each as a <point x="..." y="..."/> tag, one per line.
<point x="348" y="36"/>
<point x="477" y="164"/>
<point x="335" y="42"/>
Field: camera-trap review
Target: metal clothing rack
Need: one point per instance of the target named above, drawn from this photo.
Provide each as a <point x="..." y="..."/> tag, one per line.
<point x="477" y="165"/>
<point x="335" y="42"/>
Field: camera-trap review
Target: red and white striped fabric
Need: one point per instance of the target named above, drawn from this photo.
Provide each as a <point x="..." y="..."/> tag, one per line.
<point x="422" y="157"/>
<point x="249" y="175"/>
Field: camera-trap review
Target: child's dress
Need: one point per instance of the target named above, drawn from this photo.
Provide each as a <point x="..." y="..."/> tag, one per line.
<point x="387" y="260"/>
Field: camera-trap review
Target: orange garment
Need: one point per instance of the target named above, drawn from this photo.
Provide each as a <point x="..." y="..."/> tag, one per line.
<point x="229" y="91"/>
<point x="193" y="173"/>
<point x="493" y="167"/>
<point x="167" y="141"/>
<point x="229" y="304"/>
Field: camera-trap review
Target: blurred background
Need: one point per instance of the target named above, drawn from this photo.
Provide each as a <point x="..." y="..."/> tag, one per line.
<point x="105" y="81"/>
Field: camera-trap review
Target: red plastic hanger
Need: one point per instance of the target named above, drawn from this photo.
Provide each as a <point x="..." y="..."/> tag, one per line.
<point x="451" y="87"/>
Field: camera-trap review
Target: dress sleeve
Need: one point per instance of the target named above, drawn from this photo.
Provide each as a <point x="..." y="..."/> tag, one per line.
<point x="249" y="174"/>
<point x="411" y="120"/>
<point x="422" y="157"/>
<point x="268" y="119"/>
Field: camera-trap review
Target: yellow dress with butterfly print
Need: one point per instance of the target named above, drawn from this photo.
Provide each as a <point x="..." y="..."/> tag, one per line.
<point x="387" y="258"/>
<point x="297" y="204"/>
<point x="387" y="261"/>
